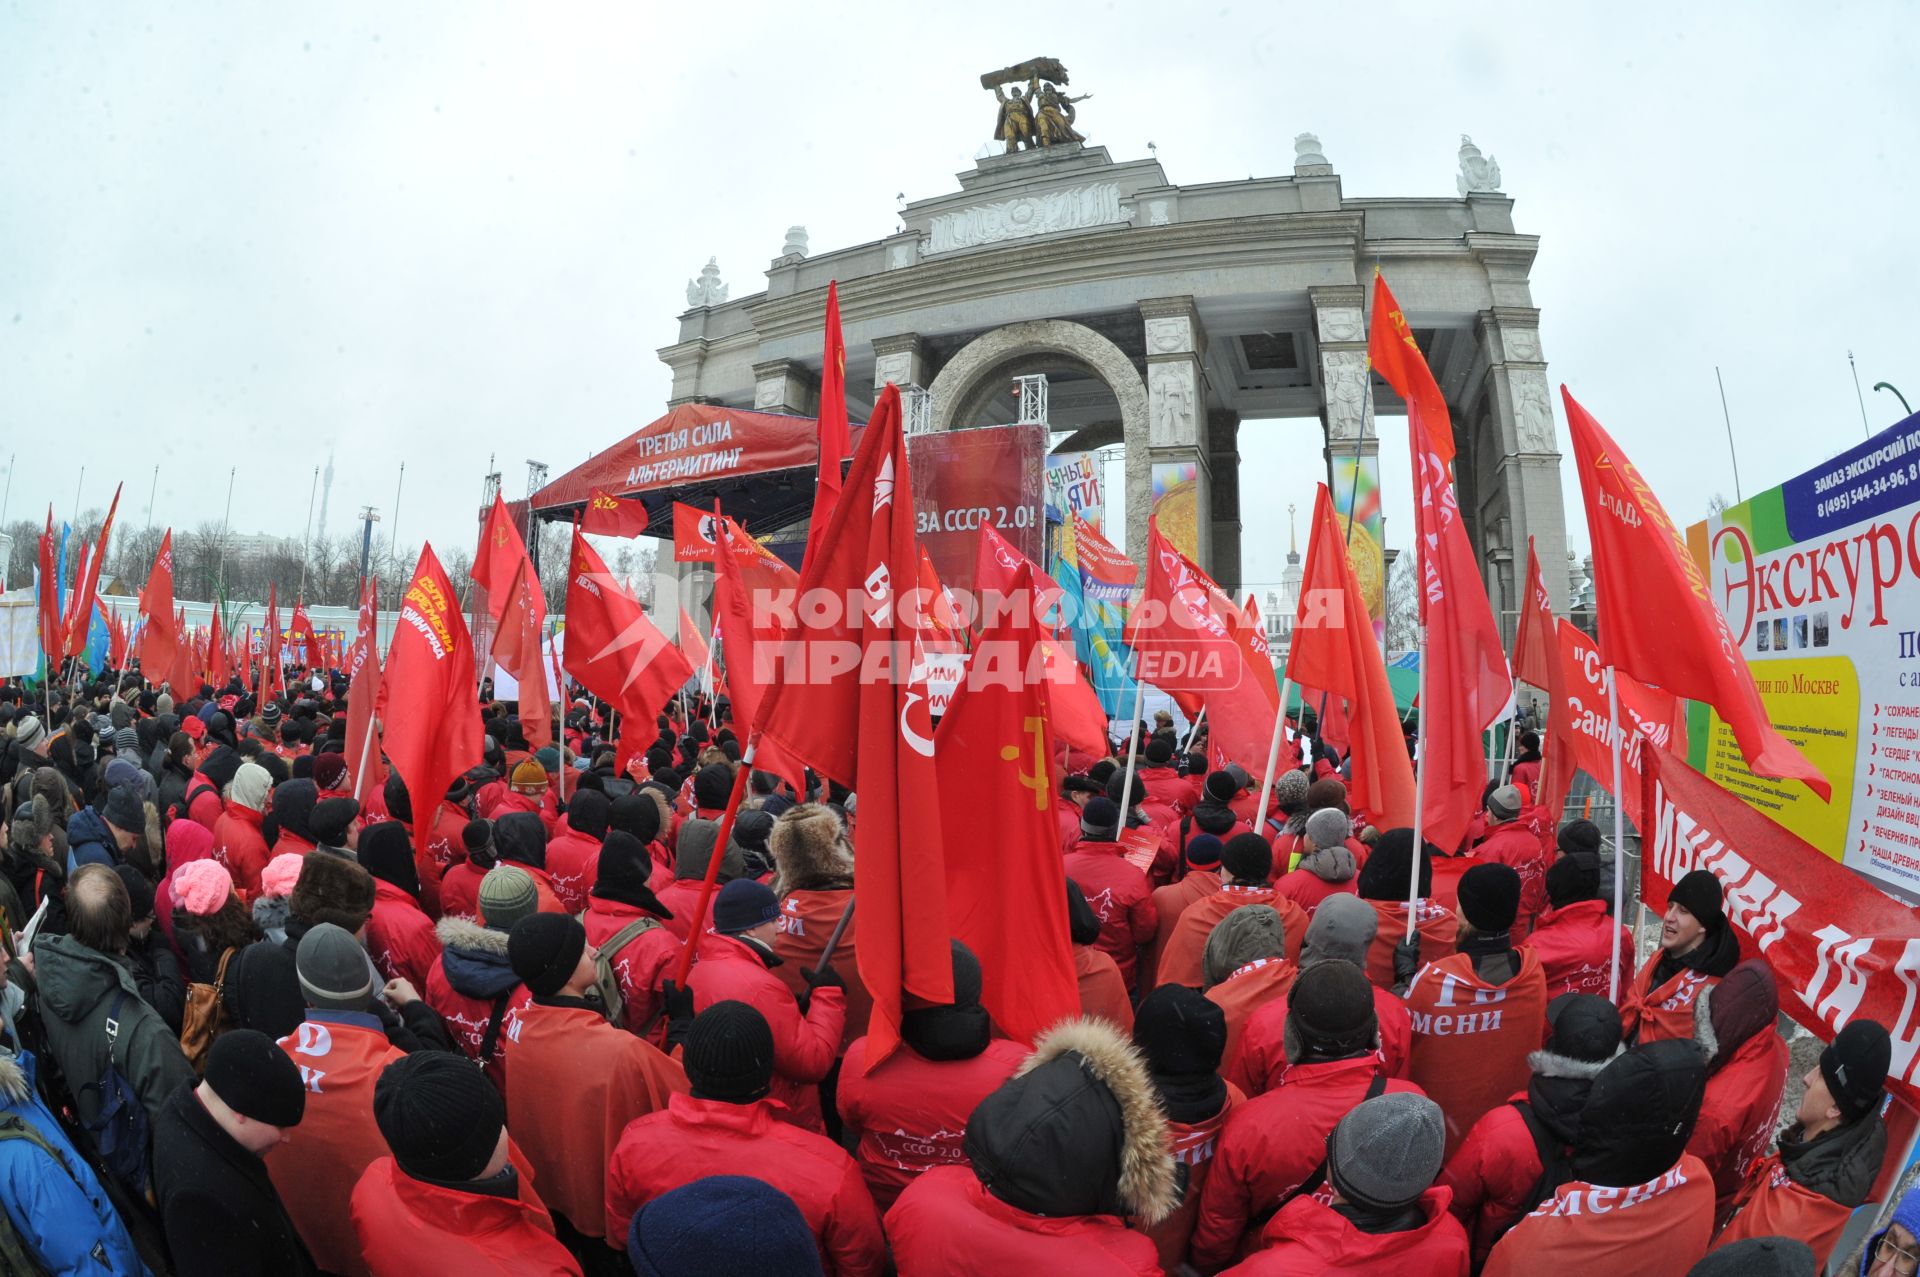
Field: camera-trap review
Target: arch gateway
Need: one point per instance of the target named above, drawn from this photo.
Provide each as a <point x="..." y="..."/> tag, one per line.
<point x="1171" y="319"/>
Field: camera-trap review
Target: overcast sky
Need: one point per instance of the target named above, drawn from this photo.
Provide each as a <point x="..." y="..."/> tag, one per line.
<point x="236" y="235"/>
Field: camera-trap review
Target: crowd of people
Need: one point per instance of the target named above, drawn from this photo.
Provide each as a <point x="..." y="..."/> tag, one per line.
<point x="255" y="1025"/>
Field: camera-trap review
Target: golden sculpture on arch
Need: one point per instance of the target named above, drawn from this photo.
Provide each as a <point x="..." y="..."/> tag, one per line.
<point x="1038" y="114"/>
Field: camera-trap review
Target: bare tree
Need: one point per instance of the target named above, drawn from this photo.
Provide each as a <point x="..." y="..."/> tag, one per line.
<point x="1403" y="604"/>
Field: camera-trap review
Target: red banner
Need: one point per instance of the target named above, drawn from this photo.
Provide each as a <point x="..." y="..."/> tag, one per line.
<point x="1839" y="948"/>
<point x="967" y="480"/>
<point x="695" y="533"/>
<point x="1581" y="717"/>
<point x="611" y="517"/>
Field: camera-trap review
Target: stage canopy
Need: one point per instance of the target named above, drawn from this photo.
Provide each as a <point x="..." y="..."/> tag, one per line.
<point x="759" y="465"/>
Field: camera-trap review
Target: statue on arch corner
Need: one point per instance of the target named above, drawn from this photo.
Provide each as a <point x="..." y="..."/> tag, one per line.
<point x="1038" y="114"/>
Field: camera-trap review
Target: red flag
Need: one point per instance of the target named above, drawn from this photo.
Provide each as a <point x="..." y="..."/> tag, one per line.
<point x="1579" y="722"/>
<point x="995" y="569"/>
<point x="86" y="583"/>
<point x="612" y="648"/>
<point x="433" y="714"/>
<point x="1657" y="620"/>
<point x="752" y="591"/>
<point x="183" y="672"/>
<point x="519" y="649"/>
<point x="609" y="516"/>
<point x="835" y="439"/>
<point x="158" y="639"/>
<point x="1078" y="719"/>
<point x="362" y="668"/>
<point x="273" y="679"/>
<point x="695" y="534"/>
<point x="1533" y="645"/>
<point x="1250" y="632"/>
<point x="117" y="644"/>
<point x="305" y="642"/>
<point x="866" y="724"/>
<point x="1466" y="682"/>
<point x="691" y="645"/>
<point x="1334" y="650"/>
<point x="1099" y="557"/>
<point x="1006" y="898"/>
<point x="52" y="634"/>
<point x="939" y="616"/>
<point x="498" y="556"/>
<point x="215" y="666"/>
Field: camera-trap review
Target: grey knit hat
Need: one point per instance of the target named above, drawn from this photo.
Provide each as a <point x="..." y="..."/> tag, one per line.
<point x="1248" y="934"/>
<point x="29" y="733"/>
<point x="1504" y="803"/>
<point x="333" y="969"/>
<point x="1343" y="927"/>
<point x="1386" y="1152"/>
<point x="1329" y="827"/>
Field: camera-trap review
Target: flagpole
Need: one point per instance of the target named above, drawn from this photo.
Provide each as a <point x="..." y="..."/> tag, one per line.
<point x="1273" y="756"/>
<point x="1194" y="729"/>
<point x="1133" y="746"/>
<point x="1619" y="832"/>
<point x="1419" y="793"/>
<point x="696" y="926"/>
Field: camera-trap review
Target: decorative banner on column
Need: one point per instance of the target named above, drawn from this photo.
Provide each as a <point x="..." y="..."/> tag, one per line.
<point x="1176" y="503"/>
<point x="964" y="480"/>
<point x="1074" y="486"/>
<point x="1819" y="580"/>
<point x="1356" y="496"/>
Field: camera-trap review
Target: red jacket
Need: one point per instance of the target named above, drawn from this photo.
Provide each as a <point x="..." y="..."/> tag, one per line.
<point x="340" y="1055"/>
<point x="1471" y="1037"/>
<point x="1435" y="923"/>
<point x="1181" y="960"/>
<point x="1194" y="1145"/>
<point x="680" y="897"/>
<point x="807" y="918"/>
<point x="1166" y="786"/>
<point x="1512" y="843"/>
<point x="1491" y="1176"/>
<point x="1169" y="902"/>
<point x="910" y="1114"/>
<point x="1120" y="897"/>
<point x="1257" y="984"/>
<point x="573" y="1083"/>
<point x="642" y="964"/>
<point x="1651" y="1015"/>
<point x="1270" y="1146"/>
<point x="239" y="845"/>
<point x="1256" y="1064"/>
<point x="407" y="1227"/>
<point x="947" y="1225"/>
<point x="573" y="860"/>
<point x="1738" y="1115"/>
<point x="1307" y="888"/>
<point x="466" y="1015"/>
<point x="1526" y="773"/>
<point x="1308" y="1238"/>
<point x="804" y="1047"/>
<point x="693" y="1138"/>
<point x="205" y="805"/>
<point x="1657" y="1229"/>
<point x="1575" y="944"/>
<point x="460" y="891"/>
<point x="1447" y="873"/>
<point x="400" y="936"/>
<point x="1773" y="1205"/>
<point x="1102" y="992"/>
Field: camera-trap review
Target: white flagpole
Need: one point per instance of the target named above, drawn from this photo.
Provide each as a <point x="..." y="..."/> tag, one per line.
<point x="1619" y="834"/>
<point x="1273" y="756"/>
<point x="1133" y="751"/>
<point x="1194" y="729"/>
<point x="1419" y="791"/>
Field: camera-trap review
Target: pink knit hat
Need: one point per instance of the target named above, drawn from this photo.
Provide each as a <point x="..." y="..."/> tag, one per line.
<point x="281" y="873"/>
<point x="202" y="886"/>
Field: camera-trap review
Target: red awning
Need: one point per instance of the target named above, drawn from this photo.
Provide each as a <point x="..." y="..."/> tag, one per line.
<point x="692" y="444"/>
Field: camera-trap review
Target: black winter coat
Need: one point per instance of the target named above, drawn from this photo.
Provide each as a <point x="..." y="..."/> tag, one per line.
<point x="217" y="1203"/>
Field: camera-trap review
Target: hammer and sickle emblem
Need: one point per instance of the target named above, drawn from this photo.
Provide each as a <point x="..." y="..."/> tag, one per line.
<point x="1037" y="779"/>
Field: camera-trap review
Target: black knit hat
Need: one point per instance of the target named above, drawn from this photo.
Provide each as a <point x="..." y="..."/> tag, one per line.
<point x="1573" y="878"/>
<point x="1583" y="1026"/>
<point x="1384" y="876"/>
<point x="1247" y="857"/>
<point x="1330" y="1012"/>
<point x="476" y="835"/>
<point x="1203" y="851"/>
<point x="544" y="950"/>
<point x="1579" y="836"/>
<point x="139" y="890"/>
<point x="587" y="812"/>
<point x="637" y="814"/>
<point x="1158" y="753"/>
<point x="742" y="905"/>
<point x="439" y="1115"/>
<point x="1490" y="897"/>
<point x="1180" y="1031"/>
<point x="256" y="1079"/>
<point x="1222" y="786"/>
<point x="1855" y="1066"/>
<point x="711" y="786"/>
<point x="330" y="818"/>
<point x="1100" y="818"/>
<point x="386" y="852"/>
<point x="1700" y="895"/>
<point x="624" y="868"/>
<point x="729" y="1053"/>
<point x="124" y="810"/>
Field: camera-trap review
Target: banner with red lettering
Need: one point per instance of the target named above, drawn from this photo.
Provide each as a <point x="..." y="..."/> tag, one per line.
<point x="1839" y="948"/>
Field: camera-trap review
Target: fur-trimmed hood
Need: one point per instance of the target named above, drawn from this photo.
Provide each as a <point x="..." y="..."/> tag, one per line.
<point x="456" y="932"/>
<point x="810" y="850"/>
<point x="474" y="958"/>
<point x="1549" y="1064"/>
<point x="1078" y="1130"/>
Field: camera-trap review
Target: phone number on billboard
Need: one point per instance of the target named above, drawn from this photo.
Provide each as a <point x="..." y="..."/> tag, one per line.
<point x="1878" y="486"/>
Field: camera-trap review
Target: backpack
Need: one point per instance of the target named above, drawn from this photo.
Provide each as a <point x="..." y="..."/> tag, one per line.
<point x="205" y="1017"/>
<point x="121" y="1129"/>
<point x="182" y="812"/>
<point x="606" y="981"/>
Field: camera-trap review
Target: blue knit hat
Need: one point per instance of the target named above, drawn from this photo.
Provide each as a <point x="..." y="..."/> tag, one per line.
<point x="742" y="905"/>
<point x="723" y="1225"/>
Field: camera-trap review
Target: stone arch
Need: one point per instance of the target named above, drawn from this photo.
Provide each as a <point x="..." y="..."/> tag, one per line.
<point x="956" y="385"/>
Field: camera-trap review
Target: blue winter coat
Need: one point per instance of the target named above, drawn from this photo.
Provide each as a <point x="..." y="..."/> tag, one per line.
<point x="89" y="840"/>
<point x="62" y="1214"/>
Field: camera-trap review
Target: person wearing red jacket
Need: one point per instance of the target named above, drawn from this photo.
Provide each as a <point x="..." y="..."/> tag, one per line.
<point x="1574" y="937"/>
<point x="1182" y="1036"/>
<point x="733" y="961"/>
<point x="400" y="936"/>
<point x="1829" y="1157"/>
<point x="1496" y="1176"/>
<point x="1632" y="1199"/>
<point x="1197" y="877"/>
<point x="1381" y="1211"/>
<point x="1511" y="842"/>
<point x="1274" y="1143"/>
<point x="1341" y="931"/>
<point x="460" y="885"/>
<point x="1075" y="792"/>
<point x="693" y="848"/>
<point x="574" y="1081"/>
<point x="1328" y="865"/>
<point x="238" y="843"/>
<point x="1697" y="948"/>
<point x="1384" y="883"/>
<point x="1478" y="1012"/>
<point x="1060" y="1159"/>
<point x="456" y="1196"/>
<point x="726" y="1124"/>
<point x="1118" y="893"/>
<point x="1527" y="764"/>
<point x="1103" y="994"/>
<point x="908" y="1115"/>
<point x="340" y="1049"/>
<point x="622" y="909"/>
<point x="472" y="985"/>
<point x="1244" y="862"/>
<point x="205" y="798"/>
<point x="1746" y="1075"/>
<point x="429" y="866"/>
<point x="814" y="881"/>
<point x="574" y="850"/>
